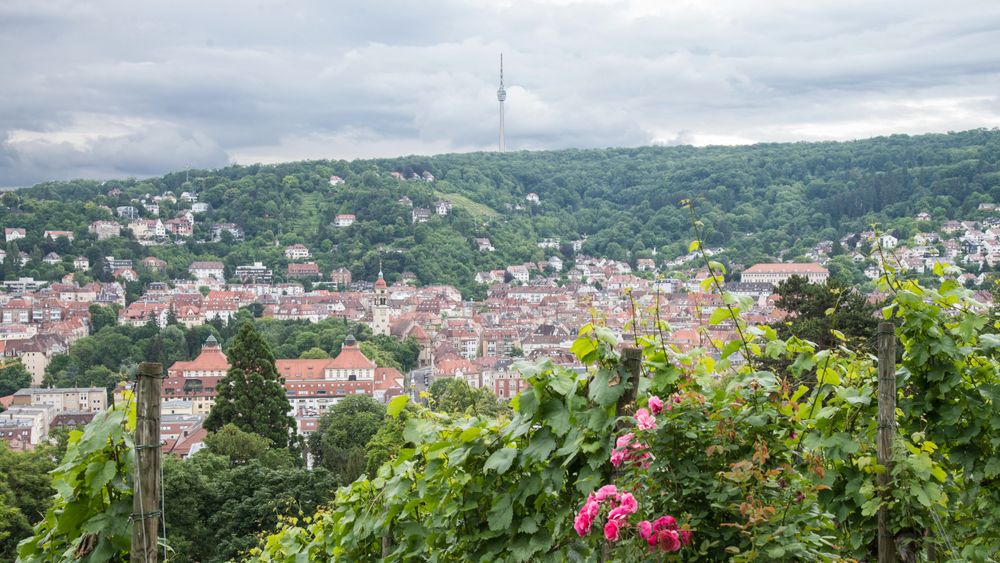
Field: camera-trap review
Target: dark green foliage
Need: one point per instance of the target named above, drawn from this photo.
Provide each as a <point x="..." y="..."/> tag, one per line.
<point x="455" y="396"/>
<point x="25" y="493"/>
<point x="250" y="396"/>
<point x="13" y="376"/>
<point x="215" y="510"/>
<point x="817" y="309"/>
<point x="344" y="431"/>
<point x="757" y="202"/>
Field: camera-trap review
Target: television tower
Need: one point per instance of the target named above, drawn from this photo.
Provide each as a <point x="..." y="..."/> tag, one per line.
<point x="501" y="96"/>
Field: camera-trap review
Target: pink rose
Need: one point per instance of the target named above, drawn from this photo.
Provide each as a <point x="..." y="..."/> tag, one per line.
<point x="605" y="492"/>
<point x="617" y="457"/>
<point x="645" y="420"/>
<point x="686" y="537"/>
<point x="582" y="524"/>
<point x="655" y="404"/>
<point x="668" y="540"/>
<point x="628" y="502"/>
<point x="591" y="508"/>
<point x="624" y="440"/>
<point x="665" y="523"/>
<point x="611" y="530"/>
<point x="645" y="529"/>
<point x="619" y="514"/>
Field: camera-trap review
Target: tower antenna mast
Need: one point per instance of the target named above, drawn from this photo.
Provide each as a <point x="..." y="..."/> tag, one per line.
<point x="501" y="96"/>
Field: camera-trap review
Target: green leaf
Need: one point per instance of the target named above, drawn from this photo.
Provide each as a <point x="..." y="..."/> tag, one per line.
<point x="601" y="390"/>
<point x="396" y="405"/>
<point x="98" y="475"/>
<point x="500" y="460"/>
<point x="470" y="434"/>
<point x="695" y="245"/>
<point x="540" y="446"/>
<point x="500" y="515"/>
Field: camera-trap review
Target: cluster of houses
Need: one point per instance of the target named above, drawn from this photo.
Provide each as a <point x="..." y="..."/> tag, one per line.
<point x="971" y="246"/>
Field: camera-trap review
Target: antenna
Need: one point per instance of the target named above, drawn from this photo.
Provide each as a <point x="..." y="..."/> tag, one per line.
<point x="501" y="96"/>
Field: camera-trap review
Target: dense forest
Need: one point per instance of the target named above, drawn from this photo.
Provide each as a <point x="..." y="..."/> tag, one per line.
<point x="758" y="202"/>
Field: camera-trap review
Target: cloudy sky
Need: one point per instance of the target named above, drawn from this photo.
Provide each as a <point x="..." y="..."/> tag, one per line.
<point x="102" y="89"/>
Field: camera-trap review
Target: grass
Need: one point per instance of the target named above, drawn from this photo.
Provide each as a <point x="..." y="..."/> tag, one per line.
<point x="462" y="202"/>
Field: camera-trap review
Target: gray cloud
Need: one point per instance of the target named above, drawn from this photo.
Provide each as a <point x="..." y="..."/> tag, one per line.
<point x="111" y="88"/>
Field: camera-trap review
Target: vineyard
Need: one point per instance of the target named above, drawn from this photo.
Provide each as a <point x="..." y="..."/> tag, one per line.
<point x="763" y="450"/>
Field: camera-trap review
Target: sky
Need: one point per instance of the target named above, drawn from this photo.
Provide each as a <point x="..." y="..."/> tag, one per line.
<point x="111" y="89"/>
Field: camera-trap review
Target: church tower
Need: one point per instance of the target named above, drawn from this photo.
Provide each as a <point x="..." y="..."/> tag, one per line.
<point x="380" y="307"/>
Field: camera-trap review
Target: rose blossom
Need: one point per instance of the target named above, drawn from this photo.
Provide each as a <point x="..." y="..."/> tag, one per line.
<point x="582" y="524"/>
<point x="628" y="501"/>
<point x="665" y="522"/>
<point x="617" y="457"/>
<point x="645" y="529"/>
<point x="611" y="530"/>
<point x="655" y="404"/>
<point x="624" y="440"/>
<point x="605" y="492"/>
<point x="644" y="420"/>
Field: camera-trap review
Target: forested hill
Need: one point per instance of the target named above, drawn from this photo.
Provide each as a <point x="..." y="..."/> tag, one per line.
<point x="756" y="201"/>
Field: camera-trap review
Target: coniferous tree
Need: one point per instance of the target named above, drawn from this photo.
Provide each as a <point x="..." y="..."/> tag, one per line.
<point x="251" y="395"/>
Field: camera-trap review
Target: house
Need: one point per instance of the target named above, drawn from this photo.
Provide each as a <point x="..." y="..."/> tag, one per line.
<point x="344" y="220"/>
<point x="151" y="208"/>
<point x="923" y="217"/>
<point x="420" y="215"/>
<point x="646" y="265"/>
<point x="888" y="242"/>
<point x="189" y="197"/>
<point x="81" y="263"/>
<point x="405" y="201"/>
<point x="777" y="273"/>
<point x="127" y="274"/>
<point x="231" y="228"/>
<point x="67" y="399"/>
<point x="397" y="175"/>
<point x="53" y="235"/>
<point x="532" y="198"/>
<point x="147" y="228"/>
<point x="207" y="271"/>
<point x="443" y="207"/>
<point x="484" y="245"/>
<point x="307" y="270"/>
<point x="12" y="234"/>
<point x="179" y="226"/>
<point x="52" y="258"/>
<point x="115" y="263"/>
<point x="336" y="180"/>
<point x="127" y="212"/>
<point x="548" y="243"/>
<point x="427" y="176"/>
<point x="104" y="230"/>
<point x="297" y="252"/>
<point x="153" y="263"/>
<point x="200" y="207"/>
<point x="341" y="276"/>
<point x="254" y="273"/>
<point x="195" y="381"/>
<point x="519" y="273"/>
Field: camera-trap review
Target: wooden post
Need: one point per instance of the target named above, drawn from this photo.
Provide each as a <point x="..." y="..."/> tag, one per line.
<point x="146" y="494"/>
<point x="886" y="433"/>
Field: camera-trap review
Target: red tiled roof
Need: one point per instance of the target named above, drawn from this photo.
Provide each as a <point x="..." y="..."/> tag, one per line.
<point x="350" y="357"/>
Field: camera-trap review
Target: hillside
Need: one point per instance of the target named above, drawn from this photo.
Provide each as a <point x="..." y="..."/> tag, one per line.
<point x="758" y="202"/>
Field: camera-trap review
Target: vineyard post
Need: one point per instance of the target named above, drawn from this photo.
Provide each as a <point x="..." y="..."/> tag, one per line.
<point x="886" y="433"/>
<point x="146" y="497"/>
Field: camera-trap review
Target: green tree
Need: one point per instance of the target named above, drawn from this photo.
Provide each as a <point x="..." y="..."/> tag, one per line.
<point x="314" y="353"/>
<point x="101" y="317"/>
<point x="13" y="376"/>
<point x="251" y="395"/>
<point x="818" y="309"/>
<point x="455" y="396"/>
<point x="338" y="444"/>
